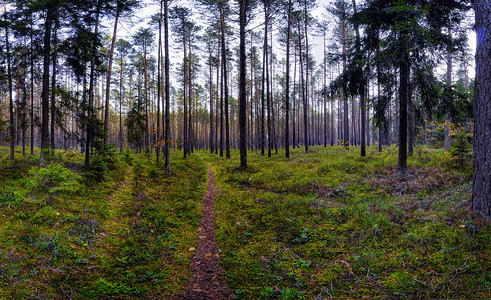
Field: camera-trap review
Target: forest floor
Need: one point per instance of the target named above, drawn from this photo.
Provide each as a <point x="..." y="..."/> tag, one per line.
<point x="326" y="224"/>
<point x="208" y="281"/>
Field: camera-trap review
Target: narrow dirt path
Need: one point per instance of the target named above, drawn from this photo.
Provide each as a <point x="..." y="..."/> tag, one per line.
<point x="207" y="280"/>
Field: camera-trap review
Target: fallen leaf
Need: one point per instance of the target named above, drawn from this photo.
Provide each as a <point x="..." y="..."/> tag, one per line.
<point x="192" y="249"/>
<point x="208" y="254"/>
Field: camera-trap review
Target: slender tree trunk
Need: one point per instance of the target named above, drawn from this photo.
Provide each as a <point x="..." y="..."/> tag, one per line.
<point x="362" y="90"/>
<point x="448" y="89"/>
<point x="53" y="87"/>
<point x="167" y="91"/>
<point x="225" y="80"/>
<point x="306" y="82"/>
<point x="324" y="88"/>
<point x="242" y="88"/>
<point x="287" y="84"/>
<point x="108" y="75"/>
<point x="212" y="146"/>
<point x="268" y="96"/>
<point x="294" y="133"/>
<point x="184" y="94"/>
<point x="45" y="92"/>
<point x="91" y="88"/>
<point x="9" y="76"/>
<point x="32" y="93"/>
<point x="263" y="79"/>
<point x="303" y="89"/>
<point x="159" y="86"/>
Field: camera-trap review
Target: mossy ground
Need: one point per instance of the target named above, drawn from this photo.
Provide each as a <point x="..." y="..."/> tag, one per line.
<point x="327" y="224"/>
<point x="330" y="224"/>
<point x="128" y="236"/>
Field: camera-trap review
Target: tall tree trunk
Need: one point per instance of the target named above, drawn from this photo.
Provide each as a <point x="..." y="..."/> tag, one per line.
<point x="263" y="92"/>
<point x="268" y="96"/>
<point x="345" y="96"/>
<point x="303" y="92"/>
<point x="108" y="75"/>
<point x="184" y="94"/>
<point x="145" y="95"/>
<point x="404" y="83"/>
<point x="242" y="88"/>
<point x="362" y="90"/>
<point x="9" y="76"/>
<point x="306" y="82"/>
<point x="167" y="91"/>
<point x="32" y="92"/>
<point x="91" y="88"/>
<point x="45" y="92"/>
<point x="212" y="146"/>
<point x="481" y="190"/>
<point x="225" y="81"/>
<point x="53" y="86"/>
<point x="287" y="84"/>
<point x="324" y="88"/>
<point x="121" y="135"/>
<point x="448" y="90"/>
<point x="159" y="85"/>
<point x="294" y="133"/>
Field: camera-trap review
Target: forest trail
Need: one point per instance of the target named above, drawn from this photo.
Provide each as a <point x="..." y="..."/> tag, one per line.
<point x="207" y="280"/>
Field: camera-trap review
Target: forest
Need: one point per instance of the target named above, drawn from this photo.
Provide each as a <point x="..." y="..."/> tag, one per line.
<point x="245" y="149"/>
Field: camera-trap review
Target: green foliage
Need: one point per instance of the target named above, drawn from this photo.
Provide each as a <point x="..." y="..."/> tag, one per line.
<point x="10" y="197"/>
<point x="460" y="148"/>
<point x="128" y="156"/>
<point x="53" y="180"/>
<point x="106" y="159"/>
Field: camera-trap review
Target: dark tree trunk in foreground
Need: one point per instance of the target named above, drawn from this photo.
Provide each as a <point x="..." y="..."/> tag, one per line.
<point x="403" y="101"/>
<point x="481" y="192"/>
<point x="242" y="89"/>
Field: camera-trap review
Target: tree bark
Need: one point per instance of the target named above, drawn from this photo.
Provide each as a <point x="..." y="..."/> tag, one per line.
<point x="225" y="81"/>
<point x="242" y="89"/>
<point x="53" y="87"/>
<point x="11" y="101"/>
<point x="481" y="191"/>
<point x="404" y="83"/>
<point x="108" y="78"/>
<point x="45" y="90"/>
<point x="91" y="88"/>
<point x="287" y="85"/>
<point x="167" y="91"/>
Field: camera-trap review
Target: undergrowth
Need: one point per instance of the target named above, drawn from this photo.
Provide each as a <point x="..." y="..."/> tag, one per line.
<point x="330" y="224"/>
<point x="121" y="231"/>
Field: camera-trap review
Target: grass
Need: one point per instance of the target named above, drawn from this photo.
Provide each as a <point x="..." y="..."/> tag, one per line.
<point x="128" y="236"/>
<point x="327" y="224"/>
<point x="331" y="224"/>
